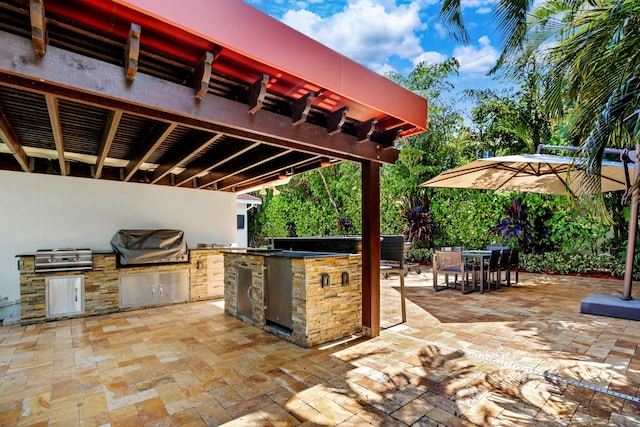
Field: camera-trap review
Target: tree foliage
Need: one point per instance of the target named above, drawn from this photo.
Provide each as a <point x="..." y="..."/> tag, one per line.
<point x="575" y="66"/>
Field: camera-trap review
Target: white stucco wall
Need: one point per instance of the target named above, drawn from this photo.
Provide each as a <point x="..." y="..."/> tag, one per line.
<point x="47" y="212"/>
<point x="243" y="233"/>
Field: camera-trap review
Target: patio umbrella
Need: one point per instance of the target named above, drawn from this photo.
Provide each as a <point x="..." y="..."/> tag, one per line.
<point x="534" y="173"/>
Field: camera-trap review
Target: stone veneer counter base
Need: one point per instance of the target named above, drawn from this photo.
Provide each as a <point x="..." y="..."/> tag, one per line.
<point x="320" y="314"/>
<point x="102" y="283"/>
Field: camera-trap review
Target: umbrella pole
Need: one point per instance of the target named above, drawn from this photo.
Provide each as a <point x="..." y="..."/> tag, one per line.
<point x="633" y="226"/>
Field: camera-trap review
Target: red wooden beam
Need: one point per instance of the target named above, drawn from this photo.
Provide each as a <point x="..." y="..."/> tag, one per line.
<point x="250" y="33"/>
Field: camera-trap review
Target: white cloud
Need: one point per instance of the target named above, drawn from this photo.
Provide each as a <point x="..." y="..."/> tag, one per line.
<point x="483" y="10"/>
<point x="475" y="4"/>
<point x="429" y="57"/>
<point x="382" y="68"/>
<point x="476" y="59"/>
<point x="441" y="31"/>
<point x="365" y="30"/>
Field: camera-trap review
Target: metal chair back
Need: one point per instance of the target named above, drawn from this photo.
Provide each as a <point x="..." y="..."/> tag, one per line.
<point x="392" y="250"/>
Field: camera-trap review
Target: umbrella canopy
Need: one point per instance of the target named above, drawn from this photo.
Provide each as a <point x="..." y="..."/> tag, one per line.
<point x="534" y="173"/>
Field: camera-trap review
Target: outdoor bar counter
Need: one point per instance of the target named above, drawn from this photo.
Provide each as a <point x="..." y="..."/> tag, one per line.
<point x="305" y="297"/>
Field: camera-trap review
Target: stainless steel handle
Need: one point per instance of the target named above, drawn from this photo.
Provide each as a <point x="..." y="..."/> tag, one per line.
<point x="153" y="290"/>
<point x="249" y="293"/>
<point x="160" y="287"/>
<point x="76" y="292"/>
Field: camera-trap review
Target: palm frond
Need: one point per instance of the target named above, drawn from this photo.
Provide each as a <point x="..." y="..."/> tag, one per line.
<point x="451" y="13"/>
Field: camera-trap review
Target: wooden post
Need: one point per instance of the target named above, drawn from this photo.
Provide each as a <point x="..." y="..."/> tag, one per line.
<point x="370" y="248"/>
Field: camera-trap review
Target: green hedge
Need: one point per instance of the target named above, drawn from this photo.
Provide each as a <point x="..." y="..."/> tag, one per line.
<point x="555" y="262"/>
<point x="419" y="255"/>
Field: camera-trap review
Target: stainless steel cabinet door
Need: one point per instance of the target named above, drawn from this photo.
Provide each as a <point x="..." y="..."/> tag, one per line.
<point x="278" y="291"/>
<point x="244" y="280"/>
<point x="64" y="295"/>
<point x="173" y="286"/>
<point x="139" y="289"/>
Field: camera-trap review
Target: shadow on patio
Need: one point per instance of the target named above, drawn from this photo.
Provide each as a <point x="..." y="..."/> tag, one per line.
<point x="520" y="356"/>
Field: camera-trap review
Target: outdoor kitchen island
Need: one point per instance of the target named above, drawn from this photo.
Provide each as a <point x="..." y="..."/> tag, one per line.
<point x="307" y="298"/>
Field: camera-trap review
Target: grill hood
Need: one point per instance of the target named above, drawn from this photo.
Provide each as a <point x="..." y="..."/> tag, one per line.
<point x="141" y="247"/>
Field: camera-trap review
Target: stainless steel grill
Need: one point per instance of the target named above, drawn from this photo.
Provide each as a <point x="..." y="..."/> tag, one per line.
<point x="63" y="260"/>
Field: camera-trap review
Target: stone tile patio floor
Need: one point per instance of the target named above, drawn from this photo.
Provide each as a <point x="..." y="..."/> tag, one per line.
<point x="520" y="356"/>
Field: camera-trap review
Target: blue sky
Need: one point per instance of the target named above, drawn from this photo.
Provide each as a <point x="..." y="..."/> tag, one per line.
<point x="396" y="34"/>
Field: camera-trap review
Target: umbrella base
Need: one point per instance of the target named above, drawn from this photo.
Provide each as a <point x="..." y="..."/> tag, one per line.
<point x="611" y="306"/>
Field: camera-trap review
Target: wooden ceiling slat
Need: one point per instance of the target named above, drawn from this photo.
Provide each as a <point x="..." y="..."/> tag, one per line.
<point x="273" y="169"/>
<point x="183" y="153"/>
<point x="157" y="137"/>
<point x="262" y="155"/>
<point x="130" y="130"/>
<point x="216" y="159"/>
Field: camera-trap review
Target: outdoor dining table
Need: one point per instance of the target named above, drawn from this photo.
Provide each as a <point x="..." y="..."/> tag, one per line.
<point x="480" y="256"/>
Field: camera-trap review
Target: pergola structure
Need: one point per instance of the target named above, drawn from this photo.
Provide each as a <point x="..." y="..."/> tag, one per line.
<point x="201" y="94"/>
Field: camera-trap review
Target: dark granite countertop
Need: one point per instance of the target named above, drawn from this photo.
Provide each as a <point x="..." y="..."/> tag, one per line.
<point x="284" y="253"/>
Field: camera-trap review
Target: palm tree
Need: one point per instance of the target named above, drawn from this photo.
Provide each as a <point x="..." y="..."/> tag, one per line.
<point x="591" y="59"/>
<point x="594" y="72"/>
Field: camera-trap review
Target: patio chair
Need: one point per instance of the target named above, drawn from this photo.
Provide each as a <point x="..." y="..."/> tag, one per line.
<point x="504" y="267"/>
<point x="514" y="261"/>
<point x="392" y="261"/>
<point x="492" y="269"/>
<point x="450" y="262"/>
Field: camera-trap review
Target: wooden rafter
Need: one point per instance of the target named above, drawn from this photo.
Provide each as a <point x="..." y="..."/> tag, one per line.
<point x="256" y="93"/>
<point x="365" y="130"/>
<point x="284" y="163"/>
<point x="110" y="128"/>
<point x="217" y="159"/>
<point x="56" y="129"/>
<point x="202" y="75"/>
<point x="73" y="76"/>
<point x="38" y="26"/>
<point x="132" y="52"/>
<point x="155" y="139"/>
<point x="187" y="151"/>
<point x="300" y="108"/>
<point x="11" y="140"/>
<point x="335" y="120"/>
<point x="389" y="137"/>
<point x="215" y="176"/>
